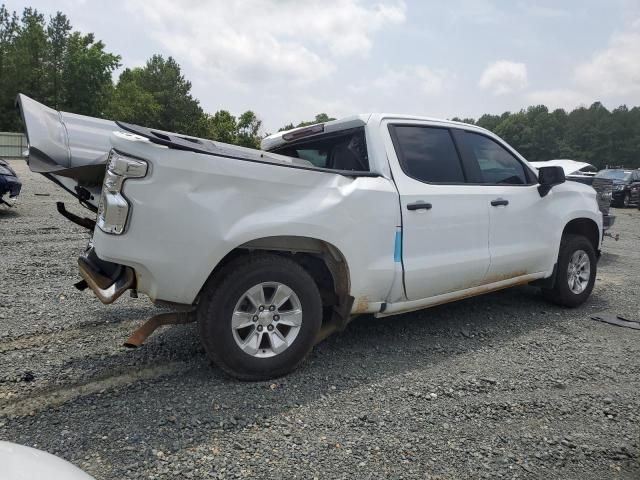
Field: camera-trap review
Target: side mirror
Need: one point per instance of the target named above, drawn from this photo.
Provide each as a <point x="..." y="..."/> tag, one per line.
<point x="549" y="177"/>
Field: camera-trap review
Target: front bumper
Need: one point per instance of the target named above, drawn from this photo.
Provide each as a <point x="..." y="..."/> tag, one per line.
<point x="11" y="185"/>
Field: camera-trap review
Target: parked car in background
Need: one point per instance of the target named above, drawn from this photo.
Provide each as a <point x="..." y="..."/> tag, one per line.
<point x="576" y="171"/>
<point x="622" y="180"/>
<point x="9" y="183"/>
<point x="635" y="194"/>
<point x="585" y="173"/>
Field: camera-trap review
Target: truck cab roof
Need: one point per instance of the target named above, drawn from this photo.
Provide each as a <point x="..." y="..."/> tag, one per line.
<point x="278" y="139"/>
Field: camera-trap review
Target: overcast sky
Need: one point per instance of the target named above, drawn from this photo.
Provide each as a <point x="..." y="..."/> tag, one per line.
<point x="288" y="59"/>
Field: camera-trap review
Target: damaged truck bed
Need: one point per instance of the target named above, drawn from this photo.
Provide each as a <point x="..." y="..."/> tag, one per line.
<point x="274" y="249"/>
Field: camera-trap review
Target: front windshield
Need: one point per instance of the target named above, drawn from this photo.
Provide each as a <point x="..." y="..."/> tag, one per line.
<point x="614" y="174"/>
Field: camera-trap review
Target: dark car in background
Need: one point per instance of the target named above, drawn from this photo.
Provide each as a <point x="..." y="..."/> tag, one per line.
<point x="9" y="183"/>
<point x="635" y="195"/>
<point x="622" y="180"/>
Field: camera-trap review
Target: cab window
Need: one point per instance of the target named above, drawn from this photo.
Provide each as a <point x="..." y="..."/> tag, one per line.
<point x="497" y="165"/>
<point x="427" y="154"/>
<point x="346" y="150"/>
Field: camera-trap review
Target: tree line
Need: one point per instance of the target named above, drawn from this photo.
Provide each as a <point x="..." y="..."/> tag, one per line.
<point x="70" y="71"/>
<point x="591" y="134"/>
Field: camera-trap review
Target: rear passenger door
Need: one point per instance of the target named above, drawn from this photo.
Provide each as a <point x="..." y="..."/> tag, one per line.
<point x="445" y="220"/>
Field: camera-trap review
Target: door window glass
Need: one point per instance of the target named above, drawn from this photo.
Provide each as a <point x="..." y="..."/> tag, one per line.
<point x="497" y="165"/>
<point x="427" y="154"/>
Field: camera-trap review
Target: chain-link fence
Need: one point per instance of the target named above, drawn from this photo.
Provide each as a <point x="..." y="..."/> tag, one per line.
<point x="12" y="145"/>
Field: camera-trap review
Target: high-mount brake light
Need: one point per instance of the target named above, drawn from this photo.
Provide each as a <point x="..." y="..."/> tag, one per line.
<point x="304" y="132"/>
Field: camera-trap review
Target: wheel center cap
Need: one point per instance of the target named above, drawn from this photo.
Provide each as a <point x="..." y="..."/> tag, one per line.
<point x="265" y="318"/>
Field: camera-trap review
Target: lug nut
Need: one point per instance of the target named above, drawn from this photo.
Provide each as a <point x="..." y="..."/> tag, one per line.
<point x="259" y="328"/>
<point x="255" y="318"/>
<point x="270" y="327"/>
<point x="261" y="308"/>
<point x="272" y="308"/>
<point x="276" y="317"/>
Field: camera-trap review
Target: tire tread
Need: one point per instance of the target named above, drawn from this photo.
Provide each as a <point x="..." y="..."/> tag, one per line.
<point x="560" y="293"/>
<point x="213" y="295"/>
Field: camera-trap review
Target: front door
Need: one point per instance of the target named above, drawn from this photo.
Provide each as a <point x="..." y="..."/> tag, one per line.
<point x="520" y="237"/>
<point x="445" y="221"/>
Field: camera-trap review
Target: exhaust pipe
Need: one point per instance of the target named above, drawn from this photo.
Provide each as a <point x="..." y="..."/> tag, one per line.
<point x="138" y="337"/>
<point x="107" y="290"/>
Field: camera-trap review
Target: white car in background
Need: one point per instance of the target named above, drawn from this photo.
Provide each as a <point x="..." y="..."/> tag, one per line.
<point x="18" y="462"/>
<point x="570" y="167"/>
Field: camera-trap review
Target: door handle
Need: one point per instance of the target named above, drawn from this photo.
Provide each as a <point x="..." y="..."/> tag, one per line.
<point x="499" y="202"/>
<point x="419" y="206"/>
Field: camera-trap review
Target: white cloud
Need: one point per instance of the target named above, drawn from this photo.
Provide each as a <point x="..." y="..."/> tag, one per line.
<point x="265" y="41"/>
<point x="558" y="98"/>
<point x="614" y="71"/>
<point x="611" y="74"/>
<point x="542" y="11"/>
<point x="478" y="12"/>
<point x="503" y="77"/>
<point x="424" y="79"/>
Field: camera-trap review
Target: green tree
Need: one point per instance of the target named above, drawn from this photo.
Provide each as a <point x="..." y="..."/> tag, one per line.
<point x="131" y="103"/>
<point x="86" y="79"/>
<point x="57" y="36"/>
<point x="247" y="130"/>
<point x="516" y="131"/>
<point x="490" y="122"/>
<point x="221" y="127"/>
<point x="224" y="127"/>
<point x="158" y="96"/>
<point x="9" y="28"/>
<point x="595" y="134"/>
<point x="179" y="111"/>
<point x="31" y="53"/>
<point x="68" y="71"/>
<point x="24" y="52"/>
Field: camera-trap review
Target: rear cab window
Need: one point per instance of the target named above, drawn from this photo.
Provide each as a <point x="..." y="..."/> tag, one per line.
<point x="345" y="150"/>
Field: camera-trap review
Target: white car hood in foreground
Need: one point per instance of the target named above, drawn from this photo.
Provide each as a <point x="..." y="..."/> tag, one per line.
<point x="25" y="463"/>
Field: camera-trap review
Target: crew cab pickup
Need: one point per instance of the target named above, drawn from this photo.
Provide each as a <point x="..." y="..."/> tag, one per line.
<point x="274" y="249"/>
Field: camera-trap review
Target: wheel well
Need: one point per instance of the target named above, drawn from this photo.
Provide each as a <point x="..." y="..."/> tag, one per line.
<point x="324" y="262"/>
<point x="585" y="227"/>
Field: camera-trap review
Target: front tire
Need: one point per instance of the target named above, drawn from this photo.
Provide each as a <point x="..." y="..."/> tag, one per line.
<point x="262" y="319"/>
<point x="626" y="200"/>
<point x="575" y="274"/>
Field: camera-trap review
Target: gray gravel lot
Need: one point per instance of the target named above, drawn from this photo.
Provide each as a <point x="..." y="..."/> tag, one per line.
<point x="499" y="386"/>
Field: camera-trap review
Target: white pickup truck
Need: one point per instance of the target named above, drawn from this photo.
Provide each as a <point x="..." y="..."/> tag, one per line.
<point x="274" y="249"/>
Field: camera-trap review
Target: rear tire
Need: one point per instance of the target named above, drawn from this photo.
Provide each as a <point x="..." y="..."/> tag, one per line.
<point x="252" y="340"/>
<point x="573" y="283"/>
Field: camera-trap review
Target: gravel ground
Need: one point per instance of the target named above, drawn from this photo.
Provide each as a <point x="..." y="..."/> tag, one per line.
<point x="499" y="386"/>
